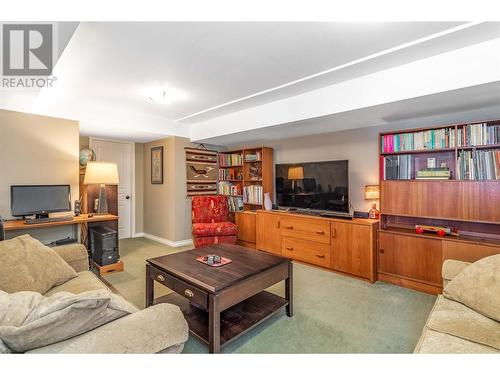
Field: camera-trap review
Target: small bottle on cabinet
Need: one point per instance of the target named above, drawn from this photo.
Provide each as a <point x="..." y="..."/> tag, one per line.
<point x="374" y="213"/>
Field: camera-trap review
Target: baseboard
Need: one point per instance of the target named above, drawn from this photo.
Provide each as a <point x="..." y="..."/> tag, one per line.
<point x="141" y="234"/>
<point x="165" y="241"/>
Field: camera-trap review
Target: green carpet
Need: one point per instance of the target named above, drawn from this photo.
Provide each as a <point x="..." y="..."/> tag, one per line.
<point x="332" y="313"/>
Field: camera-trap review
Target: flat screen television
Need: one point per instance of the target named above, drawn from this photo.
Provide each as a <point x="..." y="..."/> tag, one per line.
<point x="322" y="186"/>
<point x="39" y="200"/>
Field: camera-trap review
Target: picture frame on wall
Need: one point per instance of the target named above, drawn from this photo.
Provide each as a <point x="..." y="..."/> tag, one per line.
<point x="157" y="165"/>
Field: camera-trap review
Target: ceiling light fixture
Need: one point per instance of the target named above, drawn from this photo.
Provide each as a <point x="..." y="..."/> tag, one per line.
<point x="164" y="95"/>
<point x="160" y="98"/>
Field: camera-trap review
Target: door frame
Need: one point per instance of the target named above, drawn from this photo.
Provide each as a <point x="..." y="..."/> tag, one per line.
<point x="132" y="175"/>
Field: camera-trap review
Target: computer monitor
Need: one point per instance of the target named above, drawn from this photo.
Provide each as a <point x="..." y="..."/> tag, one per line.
<point x="39" y="200"/>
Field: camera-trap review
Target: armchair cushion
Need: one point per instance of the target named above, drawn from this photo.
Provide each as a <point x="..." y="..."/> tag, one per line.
<point x="28" y="265"/>
<point x="478" y="287"/>
<point x="225" y="228"/>
<point x="209" y="209"/>
<point x="76" y="255"/>
<point x="29" y="320"/>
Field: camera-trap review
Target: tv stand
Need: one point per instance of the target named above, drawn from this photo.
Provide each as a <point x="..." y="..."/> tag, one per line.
<point x="345" y="246"/>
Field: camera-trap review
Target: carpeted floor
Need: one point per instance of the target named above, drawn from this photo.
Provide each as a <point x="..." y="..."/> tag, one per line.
<point x="332" y="313"/>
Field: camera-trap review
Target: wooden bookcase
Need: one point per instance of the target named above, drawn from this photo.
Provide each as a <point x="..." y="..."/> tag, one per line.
<point x="255" y="168"/>
<point x="470" y="205"/>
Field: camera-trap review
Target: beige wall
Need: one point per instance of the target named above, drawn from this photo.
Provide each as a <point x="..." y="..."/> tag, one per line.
<point x="37" y="150"/>
<point x="167" y="210"/>
<point x="139" y="188"/>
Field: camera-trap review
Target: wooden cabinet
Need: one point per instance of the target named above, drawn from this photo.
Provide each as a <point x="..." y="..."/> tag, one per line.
<point x="246" y="221"/>
<point x="268" y="232"/>
<point x="411" y="257"/>
<point x="353" y="249"/>
<point x="306" y="228"/>
<point x="467" y="252"/>
<point x="347" y="246"/>
<point x="306" y="251"/>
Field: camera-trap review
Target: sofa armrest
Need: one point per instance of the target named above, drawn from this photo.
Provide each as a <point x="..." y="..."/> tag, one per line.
<point x="153" y="330"/>
<point x="75" y="255"/>
<point x="452" y="268"/>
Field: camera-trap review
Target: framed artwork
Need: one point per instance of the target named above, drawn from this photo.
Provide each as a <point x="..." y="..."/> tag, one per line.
<point x="157" y="165"/>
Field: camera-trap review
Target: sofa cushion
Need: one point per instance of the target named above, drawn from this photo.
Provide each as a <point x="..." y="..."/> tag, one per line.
<point x="478" y="287"/>
<point x="432" y="342"/>
<point x="458" y="320"/>
<point x="225" y="228"/>
<point x="28" y="265"/>
<point x="29" y="320"/>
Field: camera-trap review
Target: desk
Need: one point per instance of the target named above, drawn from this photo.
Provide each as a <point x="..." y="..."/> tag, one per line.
<point x="81" y="221"/>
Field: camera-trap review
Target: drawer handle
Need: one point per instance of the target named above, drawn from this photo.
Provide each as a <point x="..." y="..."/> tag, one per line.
<point x="160" y="278"/>
<point x="189" y="293"/>
<point x="289" y="248"/>
<point x="381" y="251"/>
<point x="320" y="232"/>
<point x="289" y="227"/>
<point x="320" y="255"/>
<point x="334" y="232"/>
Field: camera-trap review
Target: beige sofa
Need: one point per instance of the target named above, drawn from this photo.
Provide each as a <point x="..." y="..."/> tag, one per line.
<point x="454" y="328"/>
<point x="157" y="329"/>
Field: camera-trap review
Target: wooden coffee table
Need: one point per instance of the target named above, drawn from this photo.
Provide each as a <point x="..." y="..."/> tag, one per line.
<point x="221" y="303"/>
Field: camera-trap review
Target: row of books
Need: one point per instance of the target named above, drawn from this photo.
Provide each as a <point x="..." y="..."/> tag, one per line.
<point x="228" y="160"/>
<point x="253" y="157"/>
<point x="252" y="194"/>
<point x="228" y="188"/>
<point x="441" y="173"/>
<point x="479" y="135"/>
<point x="230" y="174"/>
<point x="398" y="167"/>
<point x="479" y="165"/>
<point x="433" y="139"/>
<point x="235" y="204"/>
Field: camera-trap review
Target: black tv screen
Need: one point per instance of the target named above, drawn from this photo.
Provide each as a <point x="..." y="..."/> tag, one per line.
<point x="28" y="200"/>
<point x="320" y="185"/>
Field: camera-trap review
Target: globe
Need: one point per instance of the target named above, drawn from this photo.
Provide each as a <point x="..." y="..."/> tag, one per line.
<point x="86" y="155"/>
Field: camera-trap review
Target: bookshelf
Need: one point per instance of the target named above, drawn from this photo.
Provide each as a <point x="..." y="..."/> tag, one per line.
<point x="245" y="176"/>
<point x="446" y="175"/>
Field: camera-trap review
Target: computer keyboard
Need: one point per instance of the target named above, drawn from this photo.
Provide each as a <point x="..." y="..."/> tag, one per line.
<point x="48" y="220"/>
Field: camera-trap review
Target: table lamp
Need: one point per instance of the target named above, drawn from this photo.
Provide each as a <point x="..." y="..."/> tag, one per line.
<point x="102" y="173"/>
<point x="372" y="192"/>
<point x="295" y="173"/>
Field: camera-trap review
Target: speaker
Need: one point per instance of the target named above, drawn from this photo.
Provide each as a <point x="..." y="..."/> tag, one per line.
<point x="2" y="230"/>
<point x="103" y="245"/>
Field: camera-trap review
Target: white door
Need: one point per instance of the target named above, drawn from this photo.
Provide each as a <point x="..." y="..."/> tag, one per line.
<point x="121" y="153"/>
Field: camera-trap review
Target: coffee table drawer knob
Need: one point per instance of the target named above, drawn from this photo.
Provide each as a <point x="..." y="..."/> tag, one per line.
<point x="160" y="278"/>
<point x="188" y="293"/>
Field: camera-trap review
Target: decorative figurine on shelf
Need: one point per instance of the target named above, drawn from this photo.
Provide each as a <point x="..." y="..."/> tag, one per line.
<point x="440" y="231"/>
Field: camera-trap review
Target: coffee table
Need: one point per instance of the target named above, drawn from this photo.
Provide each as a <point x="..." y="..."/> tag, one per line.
<point x="222" y="303"/>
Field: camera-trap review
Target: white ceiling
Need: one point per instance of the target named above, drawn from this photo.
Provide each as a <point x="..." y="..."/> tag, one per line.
<point x="106" y="67"/>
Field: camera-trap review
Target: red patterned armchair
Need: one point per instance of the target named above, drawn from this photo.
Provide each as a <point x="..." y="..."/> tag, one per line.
<point x="210" y="221"/>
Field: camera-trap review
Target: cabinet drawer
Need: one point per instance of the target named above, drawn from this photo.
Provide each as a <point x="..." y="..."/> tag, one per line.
<point x="306" y="229"/>
<point x="306" y="251"/>
<point x="192" y="293"/>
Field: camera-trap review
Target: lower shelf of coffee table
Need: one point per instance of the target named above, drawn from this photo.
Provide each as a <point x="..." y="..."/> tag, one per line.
<point x="234" y="321"/>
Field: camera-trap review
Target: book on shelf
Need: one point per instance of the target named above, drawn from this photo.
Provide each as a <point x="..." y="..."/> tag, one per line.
<point x="228" y="188"/>
<point x="481" y="134"/>
<point x="398" y="167"/>
<point x="442" y="173"/>
<point x="252" y="194"/>
<point x="253" y="157"/>
<point x="230" y="174"/>
<point x="433" y="139"/>
<point x="228" y="160"/>
<point x="479" y="165"/>
<point x="235" y="204"/>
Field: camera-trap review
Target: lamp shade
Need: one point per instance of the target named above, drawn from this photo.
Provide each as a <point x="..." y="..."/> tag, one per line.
<point x="295" y="173"/>
<point x="372" y="192"/>
<point x="99" y="172"/>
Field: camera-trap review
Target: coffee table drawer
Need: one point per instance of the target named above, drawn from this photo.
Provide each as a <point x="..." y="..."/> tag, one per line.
<point x="306" y="251"/>
<point x="192" y="293"/>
